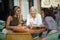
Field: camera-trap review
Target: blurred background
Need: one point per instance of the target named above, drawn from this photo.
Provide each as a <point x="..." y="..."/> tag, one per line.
<point x="6" y="5"/>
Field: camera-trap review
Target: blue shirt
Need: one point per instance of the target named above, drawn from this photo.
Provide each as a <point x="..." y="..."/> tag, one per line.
<point x="51" y="23"/>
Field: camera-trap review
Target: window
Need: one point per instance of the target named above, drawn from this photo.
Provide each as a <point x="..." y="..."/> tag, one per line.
<point x="31" y="3"/>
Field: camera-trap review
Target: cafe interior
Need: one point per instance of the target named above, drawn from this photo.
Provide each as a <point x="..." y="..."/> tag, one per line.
<point x="23" y="32"/>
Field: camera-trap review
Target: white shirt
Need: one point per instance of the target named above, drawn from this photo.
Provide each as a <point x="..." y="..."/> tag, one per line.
<point x="37" y="20"/>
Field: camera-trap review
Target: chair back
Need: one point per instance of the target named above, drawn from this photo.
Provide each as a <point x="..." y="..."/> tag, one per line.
<point x="2" y="25"/>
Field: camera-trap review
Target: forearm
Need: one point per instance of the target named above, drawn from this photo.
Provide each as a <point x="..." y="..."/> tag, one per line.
<point x="36" y="31"/>
<point x="11" y="27"/>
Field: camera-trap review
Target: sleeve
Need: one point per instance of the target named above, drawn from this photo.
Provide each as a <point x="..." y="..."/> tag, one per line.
<point x="51" y="23"/>
<point x="28" y="21"/>
<point x="39" y="20"/>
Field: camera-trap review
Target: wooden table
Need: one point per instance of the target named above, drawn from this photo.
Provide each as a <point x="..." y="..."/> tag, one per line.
<point x="31" y="30"/>
<point x="23" y="34"/>
<point x="20" y="36"/>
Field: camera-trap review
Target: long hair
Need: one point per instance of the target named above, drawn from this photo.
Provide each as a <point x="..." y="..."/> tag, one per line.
<point x="49" y="13"/>
<point x="13" y="10"/>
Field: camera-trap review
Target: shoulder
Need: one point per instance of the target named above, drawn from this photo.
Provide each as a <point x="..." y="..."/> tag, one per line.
<point x="48" y="18"/>
<point x="9" y="17"/>
<point x="39" y="15"/>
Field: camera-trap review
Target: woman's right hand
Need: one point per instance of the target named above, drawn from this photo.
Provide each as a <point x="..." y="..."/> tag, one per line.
<point x="31" y="26"/>
<point x="16" y="28"/>
<point x="19" y="28"/>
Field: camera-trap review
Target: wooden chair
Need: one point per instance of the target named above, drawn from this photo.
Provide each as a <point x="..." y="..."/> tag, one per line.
<point x="20" y="36"/>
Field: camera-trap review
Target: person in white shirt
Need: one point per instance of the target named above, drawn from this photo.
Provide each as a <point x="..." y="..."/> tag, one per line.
<point x="34" y="20"/>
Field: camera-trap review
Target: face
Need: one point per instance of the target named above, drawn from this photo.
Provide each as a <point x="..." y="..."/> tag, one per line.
<point x="42" y="14"/>
<point x="33" y="12"/>
<point x="18" y="11"/>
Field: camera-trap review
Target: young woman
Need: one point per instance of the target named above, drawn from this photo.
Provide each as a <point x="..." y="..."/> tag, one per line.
<point x="13" y="20"/>
<point x="34" y="20"/>
<point x="50" y="21"/>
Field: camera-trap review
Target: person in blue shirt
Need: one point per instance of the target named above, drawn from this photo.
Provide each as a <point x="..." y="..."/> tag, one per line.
<point x="50" y="20"/>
